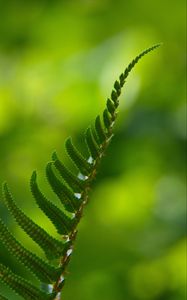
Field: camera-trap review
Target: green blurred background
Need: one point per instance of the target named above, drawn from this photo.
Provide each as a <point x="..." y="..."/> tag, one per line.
<point x="58" y="61"/>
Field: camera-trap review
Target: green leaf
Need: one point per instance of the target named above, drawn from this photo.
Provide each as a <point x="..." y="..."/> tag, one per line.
<point x="21" y="286"/>
<point x="107" y="119"/>
<point x="110" y="106"/>
<point x="117" y="87"/>
<point x="80" y="162"/>
<point x="72" y="181"/>
<point x="67" y="198"/>
<point x="95" y="135"/>
<point x="122" y="79"/>
<point x="41" y="269"/>
<point x="92" y="144"/>
<point x="57" y="216"/>
<point x="114" y="97"/>
<point x="100" y="131"/>
<point x="52" y="247"/>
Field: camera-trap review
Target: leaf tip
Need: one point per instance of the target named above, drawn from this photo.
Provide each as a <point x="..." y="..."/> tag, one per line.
<point x="54" y="156"/>
<point x="33" y="176"/>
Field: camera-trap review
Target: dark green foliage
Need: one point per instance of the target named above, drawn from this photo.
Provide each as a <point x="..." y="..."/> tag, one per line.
<point x="57" y="216"/>
<point x="21" y="286"/>
<point x="107" y="119"/>
<point x="117" y="87"/>
<point x="51" y="246"/>
<point x="94" y="133"/>
<point x="66" y="196"/>
<point x="99" y="130"/>
<point x="80" y="162"/>
<point x="72" y="191"/>
<point x="41" y="269"/>
<point x="110" y="107"/>
<point x="114" y="97"/>
<point x="73" y="181"/>
<point x="91" y="143"/>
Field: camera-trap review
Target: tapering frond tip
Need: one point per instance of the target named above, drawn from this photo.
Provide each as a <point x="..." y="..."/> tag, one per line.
<point x="147" y="50"/>
<point x="144" y="52"/>
<point x="155" y="46"/>
<point x="125" y="74"/>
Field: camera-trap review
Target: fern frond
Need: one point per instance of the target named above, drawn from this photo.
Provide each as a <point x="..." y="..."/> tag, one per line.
<point x="22" y="286"/>
<point x="73" y="192"/>
<point x="41" y="269"/>
<point x="80" y="162"/>
<point x="76" y="184"/>
<point x="52" y="247"/>
<point x="66" y="196"/>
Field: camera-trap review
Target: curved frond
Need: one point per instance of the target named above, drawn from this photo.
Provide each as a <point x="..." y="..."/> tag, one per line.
<point x="22" y="286"/>
<point x="73" y="192"/>
<point x="52" y="247"/>
<point x="41" y="269"/>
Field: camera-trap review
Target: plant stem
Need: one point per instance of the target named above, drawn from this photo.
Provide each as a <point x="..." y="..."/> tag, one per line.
<point x="85" y="198"/>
